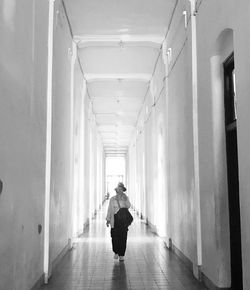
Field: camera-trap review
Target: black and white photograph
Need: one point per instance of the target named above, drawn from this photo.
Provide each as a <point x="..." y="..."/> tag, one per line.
<point x="124" y="145"/>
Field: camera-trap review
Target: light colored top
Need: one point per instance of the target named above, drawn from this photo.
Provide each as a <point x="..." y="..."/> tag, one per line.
<point x="114" y="207"/>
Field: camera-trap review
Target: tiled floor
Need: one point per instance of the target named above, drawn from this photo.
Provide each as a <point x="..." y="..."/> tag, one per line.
<point x="148" y="264"/>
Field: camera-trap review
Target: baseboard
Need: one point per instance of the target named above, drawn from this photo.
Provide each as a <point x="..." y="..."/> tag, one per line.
<point x="86" y="225"/>
<point x="61" y="255"/>
<point x="210" y="285"/>
<point x="170" y="245"/>
<point x="188" y="263"/>
<point x="55" y="263"/>
<point x="38" y="283"/>
<point x="152" y="227"/>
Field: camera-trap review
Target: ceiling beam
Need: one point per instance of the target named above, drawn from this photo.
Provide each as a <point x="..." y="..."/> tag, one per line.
<point x="117" y="97"/>
<point x="141" y="40"/>
<point x="110" y="154"/>
<point x="115" y="151"/>
<point x="119" y="77"/>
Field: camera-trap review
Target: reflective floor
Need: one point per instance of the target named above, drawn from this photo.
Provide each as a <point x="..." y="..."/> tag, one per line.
<point x="148" y="264"/>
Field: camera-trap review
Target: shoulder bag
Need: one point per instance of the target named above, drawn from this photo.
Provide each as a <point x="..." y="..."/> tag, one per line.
<point x="123" y="217"/>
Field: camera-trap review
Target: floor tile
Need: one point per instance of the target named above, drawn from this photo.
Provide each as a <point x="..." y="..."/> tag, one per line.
<point x="148" y="264"/>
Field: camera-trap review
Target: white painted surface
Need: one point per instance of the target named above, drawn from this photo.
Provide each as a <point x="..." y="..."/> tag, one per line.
<point x="47" y="266"/>
<point x="61" y="151"/>
<point x="197" y="204"/>
<point x="120" y="72"/>
<point x="23" y="87"/>
<point x="118" y="54"/>
<point x="119" y="17"/>
<point x="242" y="43"/>
<point x="213" y="48"/>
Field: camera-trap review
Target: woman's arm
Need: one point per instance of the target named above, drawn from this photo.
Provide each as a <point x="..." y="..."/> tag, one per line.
<point x="108" y="217"/>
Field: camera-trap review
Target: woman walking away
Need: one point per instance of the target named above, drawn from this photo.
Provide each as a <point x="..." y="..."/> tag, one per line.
<point x="118" y="232"/>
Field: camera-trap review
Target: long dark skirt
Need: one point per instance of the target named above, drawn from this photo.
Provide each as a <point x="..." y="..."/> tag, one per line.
<point x="119" y="240"/>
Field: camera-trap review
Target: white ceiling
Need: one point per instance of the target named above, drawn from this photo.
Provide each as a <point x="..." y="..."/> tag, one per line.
<point x="118" y="46"/>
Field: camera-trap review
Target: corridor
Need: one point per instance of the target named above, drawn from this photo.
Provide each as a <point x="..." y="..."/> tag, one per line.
<point x="148" y="264"/>
<point x="150" y="93"/>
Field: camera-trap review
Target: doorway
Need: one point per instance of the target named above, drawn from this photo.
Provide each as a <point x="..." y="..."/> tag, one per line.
<point x="232" y="172"/>
<point x="115" y="172"/>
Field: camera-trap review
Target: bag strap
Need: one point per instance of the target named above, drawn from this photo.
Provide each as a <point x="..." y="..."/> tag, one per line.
<point x="118" y="203"/>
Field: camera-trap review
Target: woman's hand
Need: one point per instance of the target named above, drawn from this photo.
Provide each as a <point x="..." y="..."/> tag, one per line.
<point x="107" y="223"/>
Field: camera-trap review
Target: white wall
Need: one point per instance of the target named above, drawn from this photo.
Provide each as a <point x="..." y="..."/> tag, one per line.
<point x="219" y="17"/>
<point x="60" y="200"/>
<point x="169" y="193"/>
<point x="78" y="158"/>
<point x="147" y="157"/>
<point x="214" y="43"/>
<point x="180" y="126"/>
<point x="23" y="77"/>
<point x="93" y="163"/>
<point x="242" y="48"/>
<point x="88" y="157"/>
<point x="73" y="202"/>
<point x="23" y="88"/>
